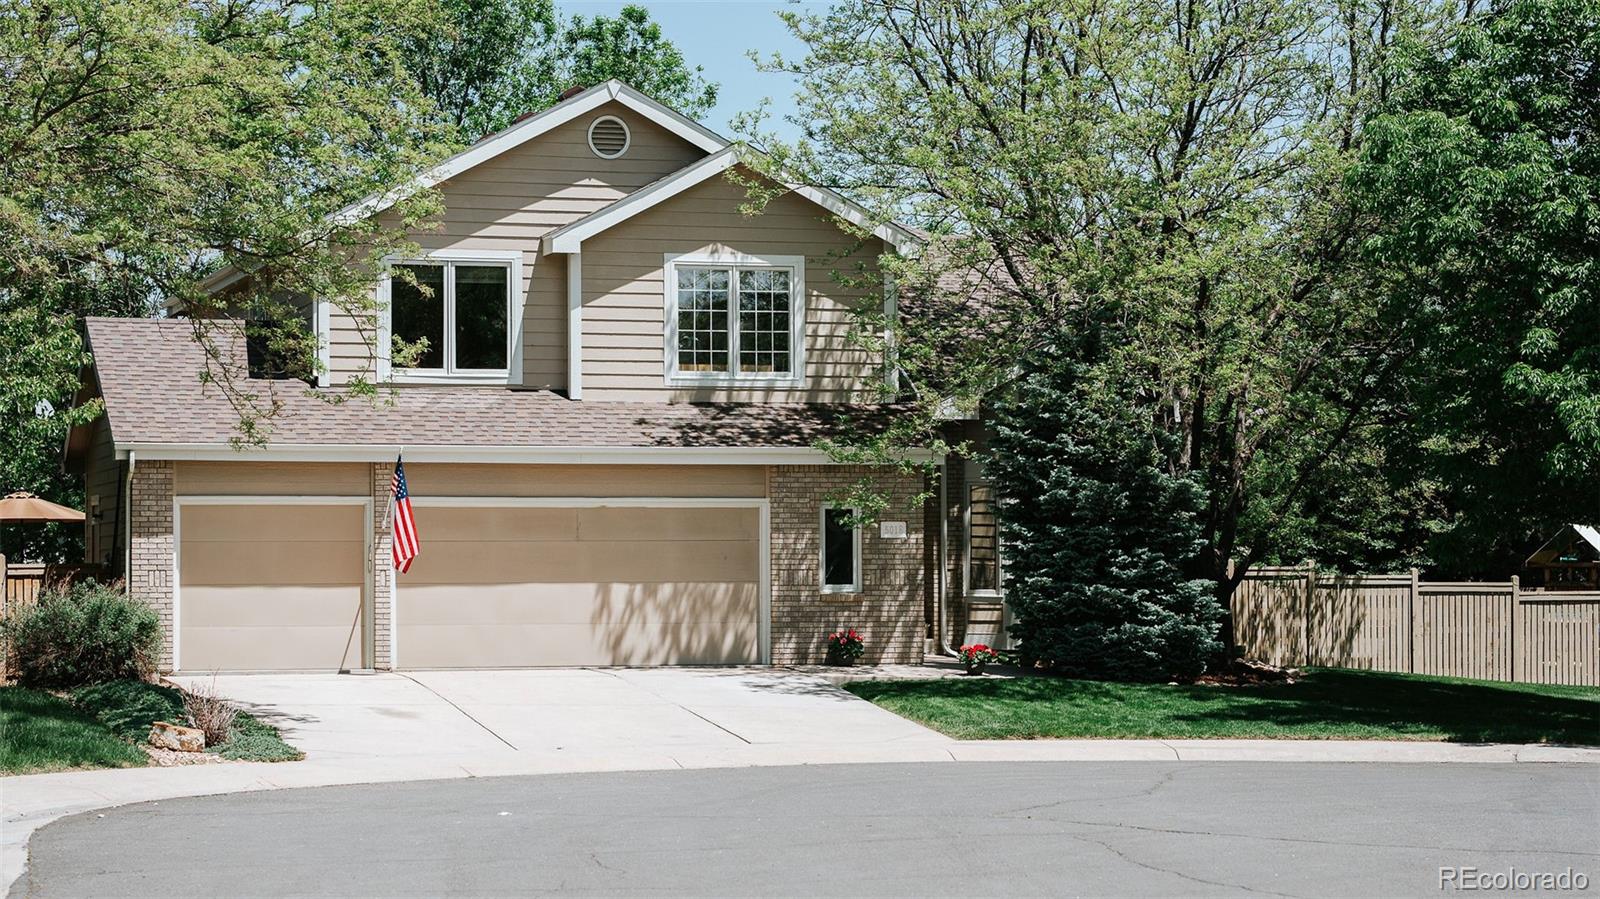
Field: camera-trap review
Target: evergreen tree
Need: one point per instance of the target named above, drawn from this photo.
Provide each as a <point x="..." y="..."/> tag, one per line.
<point x="1099" y="533"/>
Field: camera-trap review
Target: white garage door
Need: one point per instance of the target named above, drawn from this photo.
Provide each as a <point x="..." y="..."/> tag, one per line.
<point x="502" y="587"/>
<point x="268" y="587"/>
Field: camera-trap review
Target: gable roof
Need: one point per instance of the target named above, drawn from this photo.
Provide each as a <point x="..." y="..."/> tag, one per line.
<point x="1567" y="536"/>
<point x="158" y="406"/>
<point x="526" y="129"/>
<point x="570" y="238"/>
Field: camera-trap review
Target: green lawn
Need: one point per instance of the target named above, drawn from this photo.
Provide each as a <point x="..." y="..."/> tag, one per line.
<point x="40" y="732"/>
<point x="1328" y="704"/>
<point x="99" y="726"/>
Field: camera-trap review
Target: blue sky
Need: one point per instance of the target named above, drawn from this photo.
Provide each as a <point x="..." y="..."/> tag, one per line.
<point x="715" y="35"/>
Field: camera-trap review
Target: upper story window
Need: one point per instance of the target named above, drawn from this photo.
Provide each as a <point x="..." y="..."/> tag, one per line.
<point x="735" y="319"/>
<point x="464" y="308"/>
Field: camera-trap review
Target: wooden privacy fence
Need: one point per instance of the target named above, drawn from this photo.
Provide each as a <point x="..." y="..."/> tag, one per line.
<point x="1395" y="622"/>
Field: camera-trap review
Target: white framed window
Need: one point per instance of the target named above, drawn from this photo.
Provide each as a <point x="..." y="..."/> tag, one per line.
<point x="466" y="305"/>
<point x="985" y="572"/>
<point x="734" y="319"/>
<point x="841" y="550"/>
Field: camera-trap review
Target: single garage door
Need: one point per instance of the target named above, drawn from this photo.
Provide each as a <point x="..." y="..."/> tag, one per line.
<point x="498" y="587"/>
<point x="269" y="587"/>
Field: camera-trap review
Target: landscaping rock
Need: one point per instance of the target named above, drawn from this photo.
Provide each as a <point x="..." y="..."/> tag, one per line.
<point x="174" y="736"/>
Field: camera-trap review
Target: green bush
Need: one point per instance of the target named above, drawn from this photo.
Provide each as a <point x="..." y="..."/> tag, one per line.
<point x="129" y="707"/>
<point x="86" y="634"/>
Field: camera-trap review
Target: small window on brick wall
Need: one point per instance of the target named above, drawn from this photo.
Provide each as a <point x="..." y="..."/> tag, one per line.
<point x="841" y="551"/>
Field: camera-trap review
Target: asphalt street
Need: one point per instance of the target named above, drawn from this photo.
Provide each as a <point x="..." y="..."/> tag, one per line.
<point x="962" y="829"/>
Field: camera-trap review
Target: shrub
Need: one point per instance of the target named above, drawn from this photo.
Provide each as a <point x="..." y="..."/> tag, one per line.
<point x="258" y="744"/>
<point x="210" y="713"/>
<point x="85" y="634"/>
<point x="129" y="707"/>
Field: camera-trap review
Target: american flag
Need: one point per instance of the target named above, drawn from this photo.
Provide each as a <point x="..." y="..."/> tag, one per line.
<point x="405" y="527"/>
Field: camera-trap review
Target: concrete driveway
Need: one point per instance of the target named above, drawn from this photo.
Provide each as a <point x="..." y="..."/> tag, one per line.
<point x="496" y="714"/>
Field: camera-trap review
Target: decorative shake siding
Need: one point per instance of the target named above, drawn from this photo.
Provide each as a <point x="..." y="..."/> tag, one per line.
<point x="510" y="203"/>
<point x="888" y="611"/>
<point x="382" y="571"/>
<point x="150" y="571"/>
<point x="102" y="484"/>
<point x="623" y="295"/>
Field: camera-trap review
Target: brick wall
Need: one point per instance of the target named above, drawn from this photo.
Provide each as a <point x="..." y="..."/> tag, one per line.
<point x="150" y="542"/>
<point x="382" y="570"/>
<point x="889" y="610"/>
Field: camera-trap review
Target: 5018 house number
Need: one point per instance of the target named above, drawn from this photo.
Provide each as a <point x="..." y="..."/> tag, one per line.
<point x="892" y="530"/>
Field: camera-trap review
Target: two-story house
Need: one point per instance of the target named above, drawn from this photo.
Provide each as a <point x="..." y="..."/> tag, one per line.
<point x="610" y="440"/>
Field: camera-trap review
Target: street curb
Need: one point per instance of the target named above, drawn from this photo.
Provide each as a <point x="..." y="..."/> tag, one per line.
<point x="34" y="800"/>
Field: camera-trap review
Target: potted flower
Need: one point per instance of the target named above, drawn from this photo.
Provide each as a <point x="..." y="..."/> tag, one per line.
<point x="844" y="647"/>
<point x="977" y="656"/>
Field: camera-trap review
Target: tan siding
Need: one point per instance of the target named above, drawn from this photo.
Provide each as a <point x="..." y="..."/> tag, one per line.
<point x="271" y="478"/>
<point x="102" y="476"/>
<point x="512" y="201"/>
<point x="442" y="479"/>
<point x="623" y="317"/>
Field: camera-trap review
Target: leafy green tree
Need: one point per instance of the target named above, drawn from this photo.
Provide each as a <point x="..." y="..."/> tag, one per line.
<point x="146" y="143"/>
<point x="492" y="61"/>
<point x="631" y="49"/>
<point x="1483" y="170"/>
<point x="1173" y="173"/>
<point x="1099" y="531"/>
<point x="499" y="59"/>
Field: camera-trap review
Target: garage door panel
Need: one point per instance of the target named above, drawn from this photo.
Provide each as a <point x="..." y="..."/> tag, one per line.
<point x="499" y="525"/>
<point x="271" y="587"/>
<point x="281" y="562"/>
<point x="297" y="605"/>
<point x="655" y="525"/>
<point x="271" y="522"/>
<point x="462" y="563"/>
<point x="596" y="604"/>
<point x="631" y="585"/>
<point x="516" y="646"/>
<point x="326" y="648"/>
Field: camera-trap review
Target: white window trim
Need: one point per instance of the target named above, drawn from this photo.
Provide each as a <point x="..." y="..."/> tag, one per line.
<point x="975" y="478"/>
<point x="797" y="320"/>
<point x="516" y="299"/>
<point x="627" y="137"/>
<point x="822" y="550"/>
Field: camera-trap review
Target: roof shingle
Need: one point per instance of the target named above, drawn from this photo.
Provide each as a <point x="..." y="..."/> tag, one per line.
<point x="150" y="376"/>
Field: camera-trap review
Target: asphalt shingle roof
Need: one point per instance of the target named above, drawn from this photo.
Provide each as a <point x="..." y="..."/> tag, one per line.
<point x="149" y="374"/>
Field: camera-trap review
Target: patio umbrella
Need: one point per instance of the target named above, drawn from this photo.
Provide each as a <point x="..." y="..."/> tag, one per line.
<point x="24" y="506"/>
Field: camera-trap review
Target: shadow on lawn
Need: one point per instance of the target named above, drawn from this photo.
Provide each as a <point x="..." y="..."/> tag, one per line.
<point x="1325" y="703"/>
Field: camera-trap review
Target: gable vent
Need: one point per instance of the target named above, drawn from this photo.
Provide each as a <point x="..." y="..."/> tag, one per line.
<point x="608" y="137"/>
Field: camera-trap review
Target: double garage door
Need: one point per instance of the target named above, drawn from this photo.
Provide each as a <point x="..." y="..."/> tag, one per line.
<point x="283" y="586"/>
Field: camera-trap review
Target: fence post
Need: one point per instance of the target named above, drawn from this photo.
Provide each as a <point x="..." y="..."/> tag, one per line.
<point x="1511" y="628"/>
<point x="1411" y="622"/>
<point x="1305" y="611"/>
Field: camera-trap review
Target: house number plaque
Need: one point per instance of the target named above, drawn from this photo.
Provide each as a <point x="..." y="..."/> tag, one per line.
<point x="892" y="530"/>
